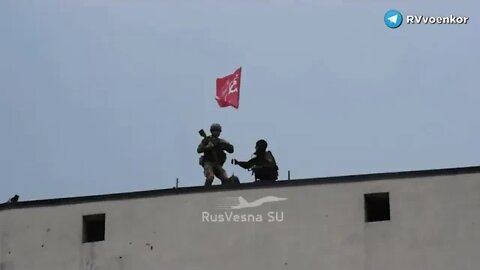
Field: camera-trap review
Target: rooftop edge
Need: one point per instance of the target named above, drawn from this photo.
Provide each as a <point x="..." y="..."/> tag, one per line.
<point x="250" y="185"/>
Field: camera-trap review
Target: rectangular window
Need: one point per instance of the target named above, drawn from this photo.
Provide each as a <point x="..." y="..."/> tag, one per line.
<point x="377" y="207"/>
<point x="93" y="228"/>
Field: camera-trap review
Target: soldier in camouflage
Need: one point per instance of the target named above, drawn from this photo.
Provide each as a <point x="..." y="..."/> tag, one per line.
<point x="213" y="158"/>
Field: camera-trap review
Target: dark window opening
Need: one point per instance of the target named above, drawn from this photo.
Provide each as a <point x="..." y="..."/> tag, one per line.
<point x="377" y="207"/>
<point x="93" y="228"/>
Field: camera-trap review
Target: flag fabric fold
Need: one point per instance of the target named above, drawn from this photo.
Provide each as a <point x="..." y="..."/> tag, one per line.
<point x="228" y="90"/>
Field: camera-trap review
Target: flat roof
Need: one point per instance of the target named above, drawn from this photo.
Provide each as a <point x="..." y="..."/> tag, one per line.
<point x="250" y="185"/>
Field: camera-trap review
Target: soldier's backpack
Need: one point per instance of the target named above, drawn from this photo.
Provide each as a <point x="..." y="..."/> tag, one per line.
<point x="267" y="169"/>
<point x="275" y="166"/>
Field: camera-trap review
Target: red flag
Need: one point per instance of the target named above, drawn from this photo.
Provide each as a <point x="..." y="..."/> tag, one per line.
<point x="228" y="90"/>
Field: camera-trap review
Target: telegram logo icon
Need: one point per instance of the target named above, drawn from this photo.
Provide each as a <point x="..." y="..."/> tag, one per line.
<point x="393" y="19"/>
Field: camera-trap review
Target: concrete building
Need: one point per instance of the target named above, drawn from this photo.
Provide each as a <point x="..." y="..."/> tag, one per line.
<point x="396" y="221"/>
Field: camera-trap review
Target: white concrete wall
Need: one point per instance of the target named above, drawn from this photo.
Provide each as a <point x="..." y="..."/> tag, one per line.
<point x="435" y="224"/>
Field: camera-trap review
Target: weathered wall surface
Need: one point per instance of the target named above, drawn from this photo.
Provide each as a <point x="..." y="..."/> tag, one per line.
<point x="435" y="224"/>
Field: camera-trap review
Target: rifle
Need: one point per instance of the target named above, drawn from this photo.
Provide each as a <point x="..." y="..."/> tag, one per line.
<point x="202" y="133"/>
<point x="209" y="139"/>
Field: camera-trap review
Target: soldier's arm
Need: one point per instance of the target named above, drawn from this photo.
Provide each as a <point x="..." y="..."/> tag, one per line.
<point x="246" y="164"/>
<point x="202" y="146"/>
<point x="227" y="146"/>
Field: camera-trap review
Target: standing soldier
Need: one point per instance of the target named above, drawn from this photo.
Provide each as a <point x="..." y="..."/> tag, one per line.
<point x="214" y="157"/>
<point x="263" y="165"/>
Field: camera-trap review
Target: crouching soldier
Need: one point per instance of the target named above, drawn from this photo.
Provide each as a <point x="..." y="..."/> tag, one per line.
<point x="214" y="157"/>
<point x="263" y="165"/>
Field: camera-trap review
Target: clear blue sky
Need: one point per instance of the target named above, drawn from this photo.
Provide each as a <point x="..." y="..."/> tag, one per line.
<point x="107" y="96"/>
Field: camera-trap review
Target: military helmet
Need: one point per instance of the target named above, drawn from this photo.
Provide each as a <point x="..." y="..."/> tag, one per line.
<point x="215" y="127"/>
<point x="261" y="144"/>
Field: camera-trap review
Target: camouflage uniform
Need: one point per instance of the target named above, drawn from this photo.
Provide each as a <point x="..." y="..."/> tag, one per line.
<point x="214" y="157"/>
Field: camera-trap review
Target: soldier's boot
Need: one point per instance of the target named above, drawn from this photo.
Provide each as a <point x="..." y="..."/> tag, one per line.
<point x="234" y="180"/>
<point x="226" y="181"/>
<point x="208" y="182"/>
